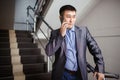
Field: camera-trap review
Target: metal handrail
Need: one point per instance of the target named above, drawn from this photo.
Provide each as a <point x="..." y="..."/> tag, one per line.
<point x="107" y="74"/>
<point x="30" y="8"/>
<point x="36" y="16"/>
<point x="36" y="4"/>
<point x="40" y="17"/>
<point x="44" y="34"/>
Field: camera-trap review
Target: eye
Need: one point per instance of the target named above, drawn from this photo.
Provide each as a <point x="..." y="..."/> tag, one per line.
<point x="74" y="16"/>
<point x="68" y="16"/>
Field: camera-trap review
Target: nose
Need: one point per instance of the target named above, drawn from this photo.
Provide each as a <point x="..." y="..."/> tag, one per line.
<point x="71" y="19"/>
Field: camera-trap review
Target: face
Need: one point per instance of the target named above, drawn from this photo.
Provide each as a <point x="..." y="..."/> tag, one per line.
<point x="69" y="17"/>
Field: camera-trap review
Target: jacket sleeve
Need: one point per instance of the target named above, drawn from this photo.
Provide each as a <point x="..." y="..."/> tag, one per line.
<point x="54" y="43"/>
<point x="95" y="51"/>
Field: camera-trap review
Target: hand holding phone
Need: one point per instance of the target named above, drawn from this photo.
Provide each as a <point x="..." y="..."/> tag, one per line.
<point x="63" y="28"/>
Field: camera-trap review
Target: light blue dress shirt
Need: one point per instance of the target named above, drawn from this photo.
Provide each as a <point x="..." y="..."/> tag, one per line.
<point x="71" y="60"/>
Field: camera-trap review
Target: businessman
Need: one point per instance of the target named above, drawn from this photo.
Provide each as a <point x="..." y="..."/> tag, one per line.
<point x="68" y="44"/>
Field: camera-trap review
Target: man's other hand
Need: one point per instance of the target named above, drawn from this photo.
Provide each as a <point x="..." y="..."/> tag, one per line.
<point x="99" y="76"/>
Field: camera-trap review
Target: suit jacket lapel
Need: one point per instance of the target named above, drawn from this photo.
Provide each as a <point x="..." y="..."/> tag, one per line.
<point x="78" y="37"/>
<point x="79" y="49"/>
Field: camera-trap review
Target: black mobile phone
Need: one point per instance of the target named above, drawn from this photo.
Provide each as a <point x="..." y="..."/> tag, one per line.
<point x="62" y="19"/>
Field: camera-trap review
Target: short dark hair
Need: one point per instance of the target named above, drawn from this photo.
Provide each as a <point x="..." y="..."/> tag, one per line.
<point x="66" y="7"/>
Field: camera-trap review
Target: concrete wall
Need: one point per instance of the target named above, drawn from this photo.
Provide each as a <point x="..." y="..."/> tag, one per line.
<point x="7" y="14"/>
<point x="104" y="24"/>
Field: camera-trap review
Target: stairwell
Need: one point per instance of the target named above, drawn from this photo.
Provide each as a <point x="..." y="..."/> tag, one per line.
<point x="20" y="58"/>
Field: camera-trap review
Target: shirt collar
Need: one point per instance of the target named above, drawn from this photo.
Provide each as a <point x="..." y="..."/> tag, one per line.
<point x="72" y="29"/>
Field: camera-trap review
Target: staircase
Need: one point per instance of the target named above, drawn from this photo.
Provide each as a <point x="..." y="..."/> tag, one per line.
<point x="20" y="58"/>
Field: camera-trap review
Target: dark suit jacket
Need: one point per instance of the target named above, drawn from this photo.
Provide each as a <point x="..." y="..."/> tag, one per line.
<point x="57" y="47"/>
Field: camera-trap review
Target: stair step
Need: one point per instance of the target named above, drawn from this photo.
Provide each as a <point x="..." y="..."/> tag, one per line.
<point x="7" y="78"/>
<point x="7" y="70"/>
<point x="39" y="76"/>
<point x="4" y="31"/>
<point x="35" y="68"/>
<point x="30" y="51"/>
<point x="24" y="39"/>
<point x="27" y="45"/>
<point x="4" y="34"/>
<point x="23" y="35"/>
<point x="20" y="31"/>
<point x="5" y="60"/>
<point x="18" y="45"/>
<point x="4" y="52"/>
<point x="20" y="58"/>
<point x="6" y="39"/>
<point x="21" y="51"/>
<point x="16" y="31"/>
<point x="4" y="45"/>
<point x="31" y="59"/>
<point x="17" y="35"/>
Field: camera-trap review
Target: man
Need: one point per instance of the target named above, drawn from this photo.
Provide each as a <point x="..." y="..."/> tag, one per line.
<point x="68" y="44"/>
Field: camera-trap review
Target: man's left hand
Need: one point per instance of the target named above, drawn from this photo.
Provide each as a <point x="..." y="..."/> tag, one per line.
<point x="99" y="76"/>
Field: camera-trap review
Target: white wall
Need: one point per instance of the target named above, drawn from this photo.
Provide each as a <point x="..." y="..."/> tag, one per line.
<point x="104" y="24"/>
<point x="21" y="13"/>
<point x="52" y="16"/>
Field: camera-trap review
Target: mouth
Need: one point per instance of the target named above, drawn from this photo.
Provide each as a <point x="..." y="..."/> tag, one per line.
<point x="70" y="24"/>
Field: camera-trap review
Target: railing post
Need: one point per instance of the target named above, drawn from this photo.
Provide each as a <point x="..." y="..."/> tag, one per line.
<point x="27" y="24"/>
<point x="35" y="20"/>
<point x="27" y="18"/>
<point x="33" y="27"/>
<point x="48" y="64"/>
